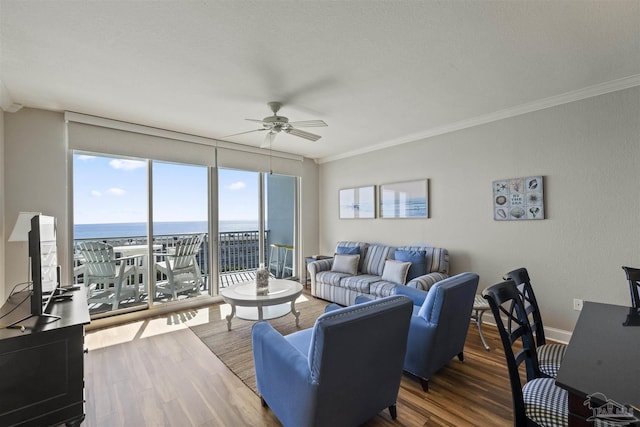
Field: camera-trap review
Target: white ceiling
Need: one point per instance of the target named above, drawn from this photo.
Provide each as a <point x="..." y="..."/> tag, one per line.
<point x="377" y="72"/>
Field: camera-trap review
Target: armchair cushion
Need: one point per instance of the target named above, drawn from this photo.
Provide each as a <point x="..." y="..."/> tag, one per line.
<point x="345" y="264"/>
<point x="395" y="271"/>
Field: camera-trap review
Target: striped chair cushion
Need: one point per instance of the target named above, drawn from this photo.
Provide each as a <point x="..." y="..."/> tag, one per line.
<point x="545" y="402"/>
<point x="375" y="258"/>
<point x="549" y="358"/>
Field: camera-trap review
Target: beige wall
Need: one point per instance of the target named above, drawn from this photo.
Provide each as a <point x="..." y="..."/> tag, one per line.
<point x="35" y="181"/>
<point x="35" y="174"/>
<point x="3" y="226"/>
<point x="587" y="151"/>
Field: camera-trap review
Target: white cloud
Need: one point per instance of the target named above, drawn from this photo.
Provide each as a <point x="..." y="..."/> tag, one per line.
<point x="96" y="193"/>
<point x="237" y="186"/>
<point x="116" y="191"/>
<point x="127" y="165"/>
<point x="85" y="157"/>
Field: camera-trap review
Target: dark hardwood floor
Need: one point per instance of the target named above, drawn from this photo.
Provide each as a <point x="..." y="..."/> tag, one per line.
<point x="156" y="372"/>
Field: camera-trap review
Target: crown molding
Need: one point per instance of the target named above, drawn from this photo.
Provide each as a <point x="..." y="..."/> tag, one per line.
<point x="541" y="104"/>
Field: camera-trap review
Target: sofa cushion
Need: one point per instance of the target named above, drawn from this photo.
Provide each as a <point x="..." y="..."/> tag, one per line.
<point x="395" y="271"/>
<point x="363" y="250"/>
<point x="330" y="277"/>
<point x="417" y="260"/>
<point x="382" y="288"/>
<point x="359" y="283"/>
<point x="375" y="258"/>
<point x="345" y="264"/>
<point x="436" y="259"/>
<point x="348" y="250"/>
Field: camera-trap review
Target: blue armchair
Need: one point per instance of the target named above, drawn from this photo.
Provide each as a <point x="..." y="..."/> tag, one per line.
<point x="439" y="324"/>
<point x="342" y="372"/>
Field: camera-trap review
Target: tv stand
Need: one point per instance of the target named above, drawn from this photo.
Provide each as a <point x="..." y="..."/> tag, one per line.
<point x="42" y="380"/>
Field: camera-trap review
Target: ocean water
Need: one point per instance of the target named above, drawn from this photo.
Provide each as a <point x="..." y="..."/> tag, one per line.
<point x="132" y="229"/>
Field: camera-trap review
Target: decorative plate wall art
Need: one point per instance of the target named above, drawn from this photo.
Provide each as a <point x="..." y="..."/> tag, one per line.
<point x="518" y="199"/>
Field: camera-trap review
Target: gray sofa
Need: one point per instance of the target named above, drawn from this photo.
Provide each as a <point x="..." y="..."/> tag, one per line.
<point x="360" y="268"/>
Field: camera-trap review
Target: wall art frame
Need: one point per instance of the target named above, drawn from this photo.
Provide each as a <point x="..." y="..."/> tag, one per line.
<point x="357" y="202"/>
<point x="518" y="199"/>
<point x="407" y="199"/>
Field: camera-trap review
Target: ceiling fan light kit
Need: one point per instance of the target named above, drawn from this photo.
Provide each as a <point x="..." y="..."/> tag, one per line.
<point x="275" y="124"/>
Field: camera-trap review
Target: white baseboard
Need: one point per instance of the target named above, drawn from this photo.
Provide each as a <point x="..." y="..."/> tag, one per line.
<point x="553" y="334"/>
<point x="557" y="335"/>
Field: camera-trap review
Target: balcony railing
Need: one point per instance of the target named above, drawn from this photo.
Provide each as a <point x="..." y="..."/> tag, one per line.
<point x="238" y="252"/>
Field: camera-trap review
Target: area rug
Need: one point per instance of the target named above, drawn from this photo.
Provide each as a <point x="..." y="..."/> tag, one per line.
<point x="233" y="347"/>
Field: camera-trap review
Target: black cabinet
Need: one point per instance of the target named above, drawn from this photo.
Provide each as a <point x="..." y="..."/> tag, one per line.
<point x="42" y="365"/>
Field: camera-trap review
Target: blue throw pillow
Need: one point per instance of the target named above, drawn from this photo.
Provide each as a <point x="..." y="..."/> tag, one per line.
<point x="348" y="250"/>
<point x="417" y="260"/>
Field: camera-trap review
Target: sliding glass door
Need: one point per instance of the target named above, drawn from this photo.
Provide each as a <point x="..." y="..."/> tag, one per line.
<point x="180" y="231"/>
<point x="110" y="230"/>
<point x="141" y="229"/>
<point x="280" y="208"/>
<point x="247" y="200"/>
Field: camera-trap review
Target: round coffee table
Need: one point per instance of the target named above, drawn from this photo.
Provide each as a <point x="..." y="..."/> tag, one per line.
<point x="279" y="301"/>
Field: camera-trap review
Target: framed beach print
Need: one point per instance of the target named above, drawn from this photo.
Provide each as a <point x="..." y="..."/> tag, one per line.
<point x="404" y="199"/>
<point x="358" y="202"/>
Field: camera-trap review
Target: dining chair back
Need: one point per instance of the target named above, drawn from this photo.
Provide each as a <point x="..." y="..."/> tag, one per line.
<point x="549" y="355"/>
<point x="539" y="402"/>
<point x="521" y="278"/>
<point x="633" y="276"/>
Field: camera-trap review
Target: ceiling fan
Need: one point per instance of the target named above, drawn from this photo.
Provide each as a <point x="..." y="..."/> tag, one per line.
<point x="276" y="124"/>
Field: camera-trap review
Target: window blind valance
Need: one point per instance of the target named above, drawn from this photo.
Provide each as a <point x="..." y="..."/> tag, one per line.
<point x="99" y="135"/>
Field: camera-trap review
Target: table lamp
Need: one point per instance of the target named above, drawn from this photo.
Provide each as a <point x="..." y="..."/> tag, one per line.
<point x="21" y="230"/>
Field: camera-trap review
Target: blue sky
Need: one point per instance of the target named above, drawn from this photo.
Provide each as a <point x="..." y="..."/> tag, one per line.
<point x="112" y="190"/>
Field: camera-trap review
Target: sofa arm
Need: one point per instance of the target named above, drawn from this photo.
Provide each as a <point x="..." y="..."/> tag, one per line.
<point x="417" y="295"/>
<point x="427" y="281"/>
<point x="281" y="370"/>
<point x="316" y="267"/>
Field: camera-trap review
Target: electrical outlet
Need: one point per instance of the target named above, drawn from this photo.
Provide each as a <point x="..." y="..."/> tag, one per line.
<point x="577" y="304"/>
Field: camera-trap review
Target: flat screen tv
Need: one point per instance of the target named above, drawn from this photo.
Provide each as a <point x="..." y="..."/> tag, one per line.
<point x="43" y="252"/>
<point x="45" y="273"/>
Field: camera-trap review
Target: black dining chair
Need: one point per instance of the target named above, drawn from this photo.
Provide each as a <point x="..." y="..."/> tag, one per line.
<point x="539" y="402"/>
<point x="549" y="355"/>
<point x="633" y="276"/>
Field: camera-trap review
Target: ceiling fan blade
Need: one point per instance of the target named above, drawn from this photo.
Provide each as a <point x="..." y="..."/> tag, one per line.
<point x="268" y="139"/>
<point x="254" y="120"/>
<point x="303" y="134"/>
<point x="242" y="133"/>
<point x="308" y="123"/>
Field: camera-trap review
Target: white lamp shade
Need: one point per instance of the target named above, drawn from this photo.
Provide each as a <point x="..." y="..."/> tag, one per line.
<point x="21" y="230"/>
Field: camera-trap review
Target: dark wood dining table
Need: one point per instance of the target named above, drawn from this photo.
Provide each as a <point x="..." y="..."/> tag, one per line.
<point x="602" y="361"/>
